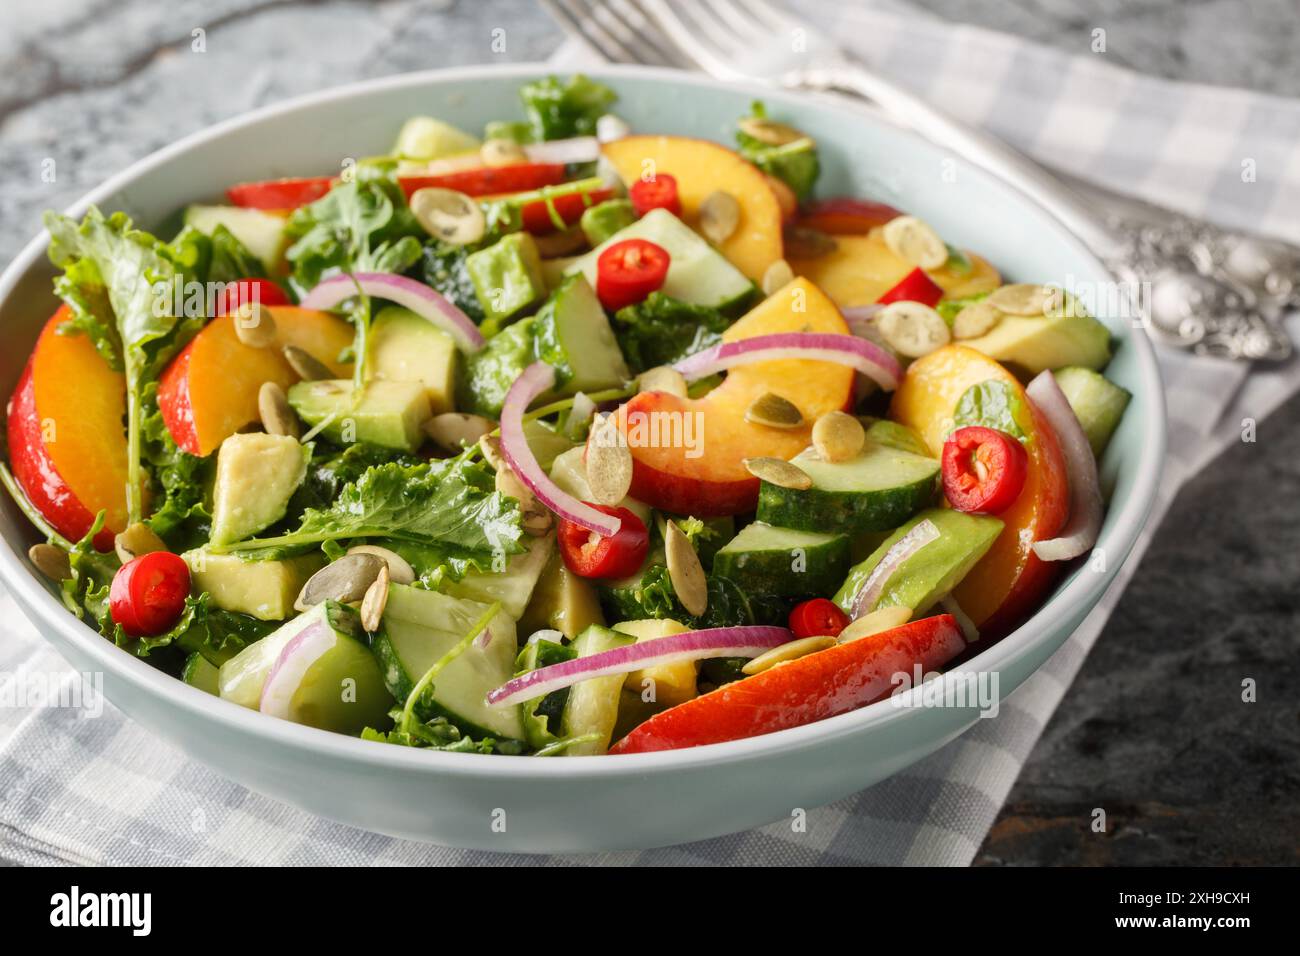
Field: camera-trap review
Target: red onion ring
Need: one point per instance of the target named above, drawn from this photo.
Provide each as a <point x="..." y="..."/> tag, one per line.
<point x="902" y="549"/>
<point x="1084" y="525"/>
<point x="416" y="296"/>
<point x="867" y="357"/>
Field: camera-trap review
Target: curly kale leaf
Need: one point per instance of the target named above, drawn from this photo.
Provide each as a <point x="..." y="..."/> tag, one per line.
<point x="559" y="109"/>
<point x="661" y="330"/>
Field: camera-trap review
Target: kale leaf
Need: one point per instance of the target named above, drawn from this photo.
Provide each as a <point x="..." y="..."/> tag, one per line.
<point x="443" y="267"/>
<point x="794" y="163"/>
<point x="661" y="330"/>
<point x="559" y="109"/>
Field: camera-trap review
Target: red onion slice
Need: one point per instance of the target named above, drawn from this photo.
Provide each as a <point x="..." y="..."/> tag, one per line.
<point x="906" y="546"/>
<point x="968" y="628"/>
<point x="1084" y="526"/>
<point x="416" y="296"/>
<point x="536" y="379"/>
<point x="687" y="646"/>
<point x="866" y="357"/>
<point x="579" y="149"/>
<point x="303" y="650"/>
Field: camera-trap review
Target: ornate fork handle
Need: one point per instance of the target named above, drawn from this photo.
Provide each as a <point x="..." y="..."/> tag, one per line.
<point x="1192" y="284"/>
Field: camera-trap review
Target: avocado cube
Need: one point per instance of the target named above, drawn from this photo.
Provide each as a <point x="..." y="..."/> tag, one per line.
<point x="391" y="414"/>
<point x="264" y="589"/>
<point x="423" y="137"/>
<point x="488" y="374"/>
<point x="602" y="220"/>
<point x="405" y="347"/>
<point x="256" y="475"/>
<point x="507" y="276"/>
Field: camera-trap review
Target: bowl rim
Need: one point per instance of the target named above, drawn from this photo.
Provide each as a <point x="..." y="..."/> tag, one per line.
<point x="1083" y="591"/>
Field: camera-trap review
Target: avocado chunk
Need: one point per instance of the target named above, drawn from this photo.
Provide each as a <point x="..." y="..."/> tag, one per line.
<point x="265" y="590"/>
<point x="928" y="575"/>
<point x="340" y="689"/>
<point x="423" y="137"/>
<point x="257" y="474"/>
<point x="1035" y="343"/>
<point x="602" y="220"/>
<point x="592" y="705"/>
<point x="562" y="602"/>
<point x="487" y="375"/>
<point x="570" y="473"/>
<point x="507" y="276"/>
<point x="573" y="335"/>
<point x="514" y="586"/>
<point x="259" y="232"/>
<point x="391" y="414"/>
<point x="698" y="273"/>
<point x="419" y="628"/>
<point x="405" y="347"/>
<point x="1098" y="403"/>
<point x="763" y="559"/>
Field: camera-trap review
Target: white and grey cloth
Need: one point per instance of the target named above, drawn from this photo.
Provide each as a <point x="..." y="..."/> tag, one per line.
<point x="105" y="790"/>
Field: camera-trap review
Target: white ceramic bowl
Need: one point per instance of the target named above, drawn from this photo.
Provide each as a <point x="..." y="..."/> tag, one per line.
<point x="587" y="803"/>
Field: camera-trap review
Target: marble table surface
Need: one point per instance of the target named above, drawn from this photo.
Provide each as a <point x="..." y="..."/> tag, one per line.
<point x="1153" y="729"/>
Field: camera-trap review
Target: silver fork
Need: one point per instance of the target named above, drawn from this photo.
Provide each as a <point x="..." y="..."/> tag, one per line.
<point x="1197" y="286"/>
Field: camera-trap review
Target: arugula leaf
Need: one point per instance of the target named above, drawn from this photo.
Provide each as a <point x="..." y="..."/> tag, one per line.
<point x="559" y="109"/>
<point x="451" y="505"/>
<point x="231" y="259"/>
<point x="794" y="163"/>
<point x="993" y="404"/>
<point x="661" y="330"/>
<point x="215" y="633"/>
<point x="109" y="262"/>
<point x="86" y="591"/>
<point x="443" y="267"/>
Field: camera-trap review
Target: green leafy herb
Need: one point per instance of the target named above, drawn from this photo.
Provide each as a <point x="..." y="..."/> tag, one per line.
<point x="110" y="273"/>
<point x="443" y="267"/>
<point x="992" y="404"/>
<point x="661" y="330"/>
<point x="181" y="514"/>
<point x="542" y="715"/>
<point x="794" y="163"/>
<point x="331" y="470"/>
<point x="439" y="734"/>
<point x="559" y="109"/>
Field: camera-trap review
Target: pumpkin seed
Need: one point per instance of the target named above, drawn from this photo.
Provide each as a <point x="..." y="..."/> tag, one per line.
<point x="277" y="417"/>
<point x="1025" y="298"/>
<point x="776" y="277"/>
<point x="399" y="569"/>
<point x="345" y="580"/>
<point x="51" y="561"/>
<point x="455" y="430"/>
<point x="878" y="621"/>
<point x="915" y="242"/>
<point x="838" y="436"/>
<point x="912" y="328"/>
<point x="565" y="242"/>
<point x="772" y="410"/>
<point x="502" y="152"/>
<point x="769" y="132"/>
<point x="789" y="651"/>
<point x="490" y="446"/>
<point x="448" y="215"/>
<point x="662" y="378"/>
<point x="135" y="540"/>
<point x="254" y="325"/>
<point x="804" y="242"/>
<point x="776" y="471"/>
<point x="375" y="601"/>
<point x="685" y="571"/>
<point x="609" y="463"/>
<point x="719" y="216"/>
<point x="975" y="320"/>
<point x="305" y="365"/>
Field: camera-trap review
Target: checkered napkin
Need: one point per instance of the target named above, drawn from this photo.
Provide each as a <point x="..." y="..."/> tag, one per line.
<point x="77" y="790"/>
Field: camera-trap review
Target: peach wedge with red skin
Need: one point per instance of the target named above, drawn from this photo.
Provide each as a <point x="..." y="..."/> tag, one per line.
<point x="67" y="443"/>
<point x="209" y="391"/>
<point x="700" y="168"/>
<point x="710" y="478"/>
<point x="1010" y="579"/>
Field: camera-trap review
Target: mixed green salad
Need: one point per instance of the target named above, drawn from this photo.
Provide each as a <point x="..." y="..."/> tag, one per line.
<point x="565" y="440"/>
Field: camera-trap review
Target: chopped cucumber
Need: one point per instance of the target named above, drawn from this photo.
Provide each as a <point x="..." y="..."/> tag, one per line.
<point x="883" y="431"/>
<point x="592" y="705"/>
<point x="929" y="574"/>
<point x="423" y="137"/>
<point x="261" y="233"/>
<point x="513" y="587"/>
<point x="201" y="673"/>
<point x="419" y="628"/>
<point x="699" y="274"/>
<point x="878" y="490"/>
<point x="1098" y="403"/>
<point x="574" y="337"/>
<point x="787" y="562"/>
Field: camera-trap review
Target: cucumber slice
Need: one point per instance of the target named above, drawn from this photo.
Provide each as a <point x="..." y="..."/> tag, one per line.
<point x="419" y="627"/>
<point x="928" y="575"/>
<point x="542" y="715"/>
<point x="261" y="233"/>
<point x="1098" y="403"/>
<point x="786" y="562"/>
<point x="883" y="431"/>
<point x="592" y="704"/>
<point x="878" y="490"/>
<point x="574" y="337"/>
<point x="243" y="676"/>
<point x="698" y="274"/>
<point x="201" y="673"/>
